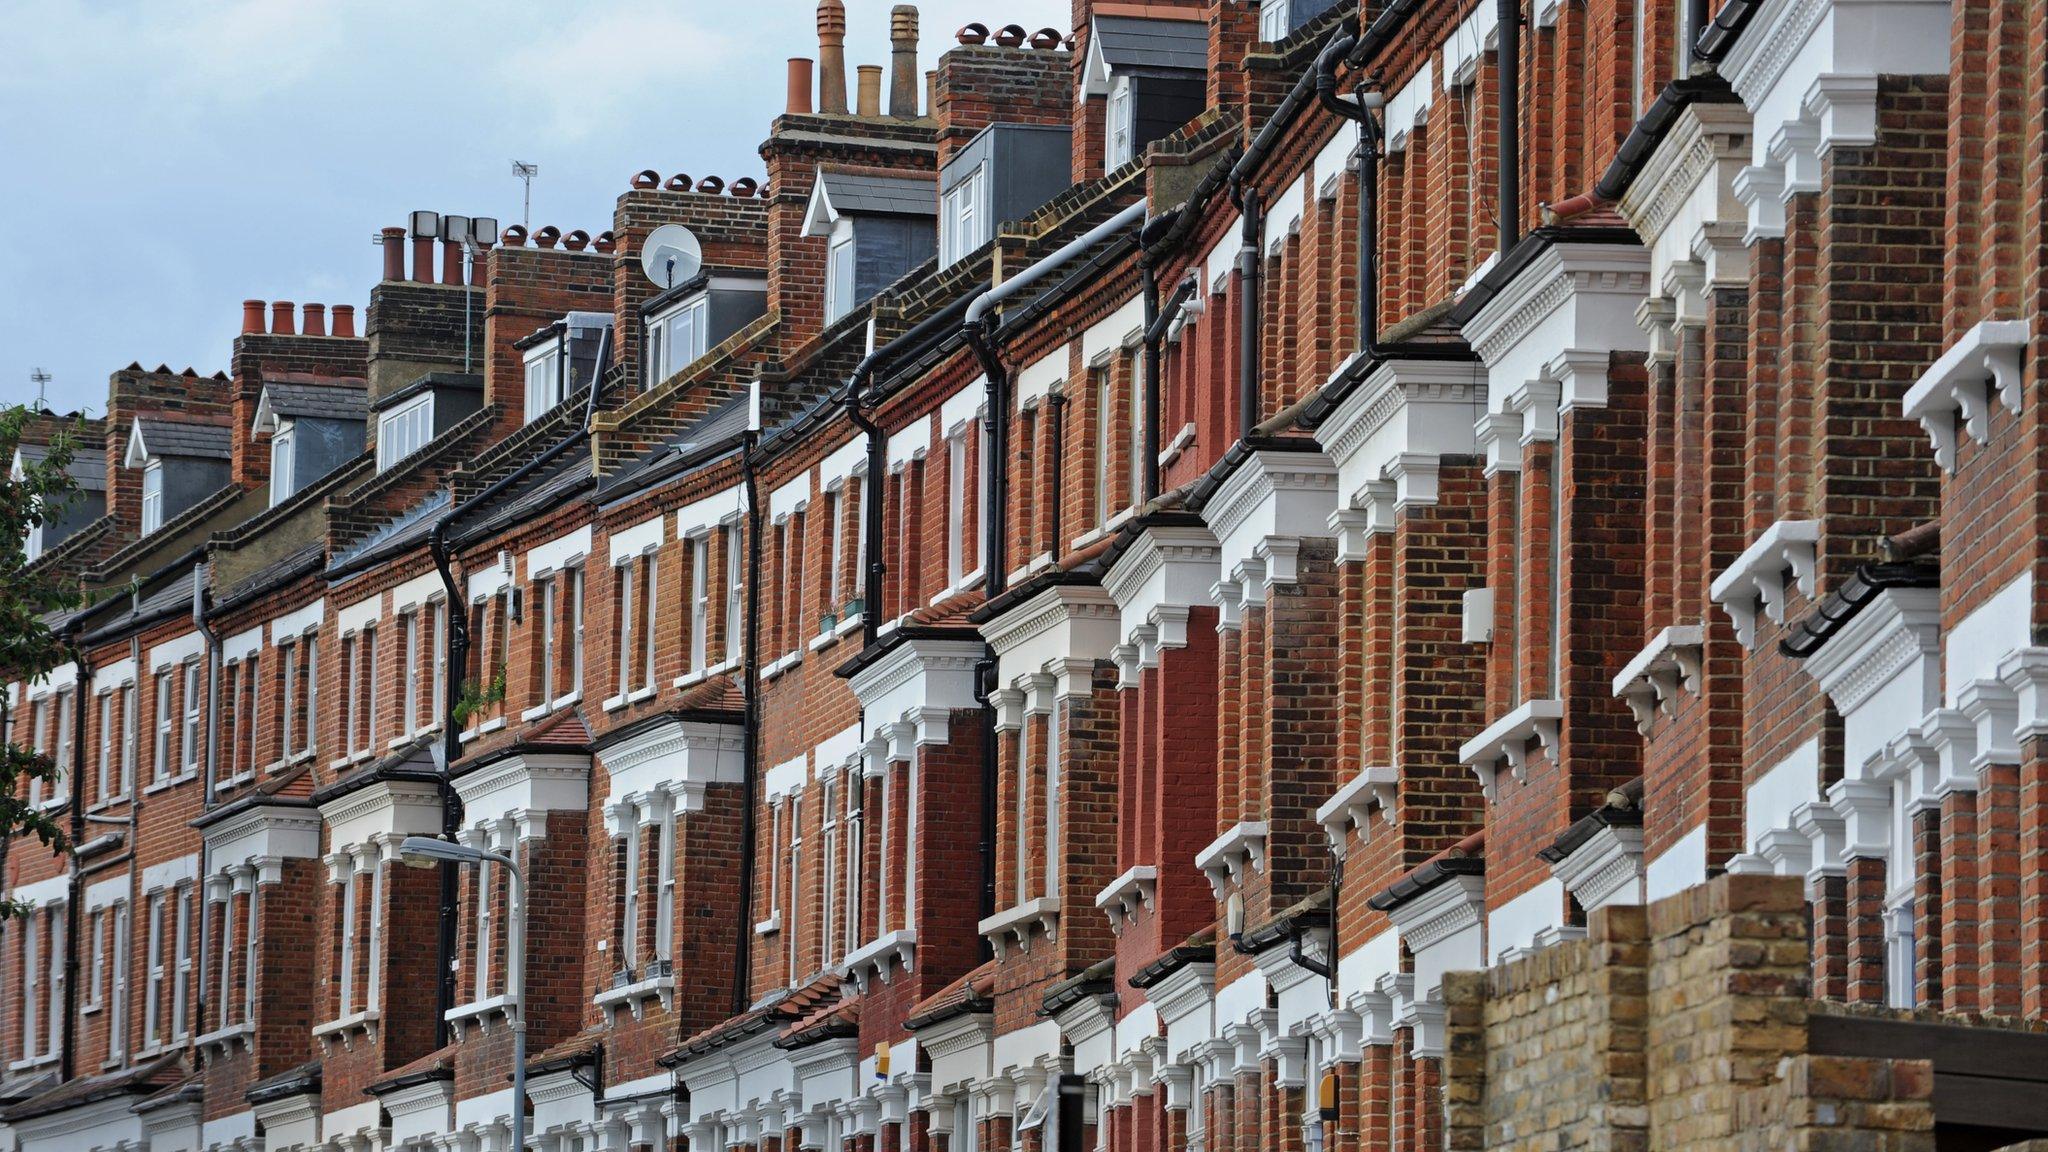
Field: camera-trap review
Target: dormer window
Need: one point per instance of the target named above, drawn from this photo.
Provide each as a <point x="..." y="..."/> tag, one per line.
<point x="66" y="514"/>
<point x="152" y="499"/>
<point x="281" y="478"/>
<point x="405" y="430"/>
<point x="879" y="228"/>
<point x="1279" y="19"/>
<point x="963" y="226"/>
<point x="181" y="463"/>
<point x="410" y="418"/>
<point x="561" y="360"/>
<point x="683" y="324"/>
<point x="314" y="429"/>
<point x="1153" y="76"/>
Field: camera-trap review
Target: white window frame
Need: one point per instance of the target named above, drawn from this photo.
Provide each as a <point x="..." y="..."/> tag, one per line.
<point x="956" y="508"/>
<point x="405" y="430"/>
<point x="842" y="282"/>
<point x="1118" y="130"/>
<point x="161" y="769"/>
<point x="486" y="942"/>
<point x="152" y="496"/>
<point x="181" y="972"/>
<point x="188" y="742"/>
<point x="439" y="608"/>
<point x="550" y="597"/>
<point x="53" y="1030"/>
<point x="281" y="464"/>
<point x="117" y="1023"/>
<point x="790" y="926"/>
<point x="345" y="998"/>
<point x="96" y="982"/>
<point x="665" y="885"/>
<point x="60" y="785"/>
<point x="700" y="601"/>
<point x="735" y="608"/>
<point x="31" y="983"/>
<point x="410" y="624"/>
<point x="677" y="336"/>
<point x="961" y="219"/>
<point x="629" y="929"/>
<point x="152" y="1001"/>
<point x="1273" y="19"/>
<point x="128" y="704"/>
<point x="544" y="383"/>
<point x="828" y="860"/>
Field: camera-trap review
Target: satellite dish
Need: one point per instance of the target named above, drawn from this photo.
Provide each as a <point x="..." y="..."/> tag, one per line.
<point x="671" y="255"/>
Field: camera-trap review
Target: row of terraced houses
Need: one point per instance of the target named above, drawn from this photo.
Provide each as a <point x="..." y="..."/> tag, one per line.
<point x="1246" y="574"/>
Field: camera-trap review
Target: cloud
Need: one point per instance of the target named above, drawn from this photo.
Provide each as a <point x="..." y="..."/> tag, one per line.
<point x="168" y="158"/>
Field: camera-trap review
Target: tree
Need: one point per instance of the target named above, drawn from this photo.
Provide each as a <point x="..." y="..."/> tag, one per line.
<point x="30" y="595"/>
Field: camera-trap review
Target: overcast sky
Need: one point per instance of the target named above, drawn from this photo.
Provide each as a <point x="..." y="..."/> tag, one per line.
<point x="160" y="162"/>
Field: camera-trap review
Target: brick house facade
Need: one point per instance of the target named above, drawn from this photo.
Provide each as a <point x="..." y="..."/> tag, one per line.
<point x="1310" y="629"/>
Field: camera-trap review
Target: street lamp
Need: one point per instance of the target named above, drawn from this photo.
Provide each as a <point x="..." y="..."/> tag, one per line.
<point x="425" y="851"/>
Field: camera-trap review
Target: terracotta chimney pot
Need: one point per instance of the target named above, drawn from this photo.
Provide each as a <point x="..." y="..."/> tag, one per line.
<point x="799" y="99"/>
<point x="394" y="253"/>
<point x="313" y="322"/>
<point x="345" y="320"/>
<point x="281" y="317"/>
<point x="832" y="57"/>
<point x="869" y="77"/>
<point x="903" y="62"/>
<point x="252" y="317"/>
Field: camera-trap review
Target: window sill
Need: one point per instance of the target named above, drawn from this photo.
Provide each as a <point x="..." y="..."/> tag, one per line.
<point x="824" y="640"/>
<point x="361" y="757"/>
<point x="346" y="1029"/>
<point x="1020" y="923"/>
<point x="156" y="786"/>
<point x="635" y="996"/>
<point x="611" y="704"/>
<point x="236" y="781"/>
<point x="1233" y="855"/>
<point x="43" y="1061"/>
<point x="879" y="957"/>
<point x="225" y="1038"/>
<point x="535" y="713"/>
<point x="637" y="696"/>
<point x="492" y="725"/>
<point x="89" y="1009"/>
<point x="1508" y="739"/>
<point x="301" y="758"/>
<point x="1127" y="894"/>
<point x="481" y="1012"/>
<point x="770" y="926"/>
<point x="850" y="624"/>
<point x="338" y="762"/>
<point x="783" y="664"/>
<point x="572" y="698"/>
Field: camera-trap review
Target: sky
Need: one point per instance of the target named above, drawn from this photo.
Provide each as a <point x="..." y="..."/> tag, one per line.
<point x="162" y="161"/>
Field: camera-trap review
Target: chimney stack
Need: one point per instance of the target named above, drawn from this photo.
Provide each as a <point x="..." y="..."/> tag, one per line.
<point x="280" y="317"/>
<point x="345" y="320"/>
<point x="799" y="102"/>
<point x="832" y="57"/>
<point x="252" y="317"/>
<point x="931" y="93"/>
<point x="870" y="104"/>
<point x="314" y="323"/>
<point x="903" y="62"/>
<point x="394" y="253"/>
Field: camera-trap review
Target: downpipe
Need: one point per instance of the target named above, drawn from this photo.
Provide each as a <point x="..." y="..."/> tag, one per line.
<point x="750" y="729"/>
<point x="74" y="900"/>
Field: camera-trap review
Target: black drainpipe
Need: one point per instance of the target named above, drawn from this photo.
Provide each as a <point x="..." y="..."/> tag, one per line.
<point x="210" y="796"/>
<point x="1359" y="110"/>
<point x="1250" y="241"/>
<point x="750" y="729"/>
<point x="1158" y="318"/>
<point x="74" y="899"/>
<point x="458" y="659"/>
<point x="994" y="527"/>
<point x="1510" y="78"/>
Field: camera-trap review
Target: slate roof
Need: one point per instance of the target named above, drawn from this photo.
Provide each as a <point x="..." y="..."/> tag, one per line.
<point x="1137" y="42"/>
<point x="144" y="1079"/>
<point x="180" y="438"/>
<point x="88" y="469"/>
<point x="317" y="401"/>
<point x="862" y="194"/>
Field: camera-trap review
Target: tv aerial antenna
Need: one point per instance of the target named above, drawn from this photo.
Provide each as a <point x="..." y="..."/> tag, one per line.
<point x="526" y="171"/>
<point x="40" y="377"/>
<point x="671" y="255"/>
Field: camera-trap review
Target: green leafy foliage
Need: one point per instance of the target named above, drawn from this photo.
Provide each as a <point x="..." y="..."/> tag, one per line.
<point x="29" y="595"/>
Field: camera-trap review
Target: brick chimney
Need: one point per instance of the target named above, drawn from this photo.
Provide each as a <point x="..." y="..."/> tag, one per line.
<point x="981" y="84"/>
<point x="317" y="351"/>
<point x="137" y="393"/>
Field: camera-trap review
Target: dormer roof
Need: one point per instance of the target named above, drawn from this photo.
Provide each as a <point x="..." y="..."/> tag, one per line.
<point x="150" y="439"/>
<point x="837" y="194"/>
<point x="1123" y="44"/>
<point x="292" y="401"/>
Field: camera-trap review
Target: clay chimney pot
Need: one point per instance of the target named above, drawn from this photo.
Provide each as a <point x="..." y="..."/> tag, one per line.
<point x="798" y="102"/>
<point x="252" y="317"/>
<point x="281" y="317"/>
<point x="314" y="320"/>
<point x="869" y="79"/>
<point x="345" y="320"/>
<point x="903" y="62"/>
<point x="832" y="57"/>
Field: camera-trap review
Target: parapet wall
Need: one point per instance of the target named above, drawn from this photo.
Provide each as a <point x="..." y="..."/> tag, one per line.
<point x="1683" y="1025"/>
